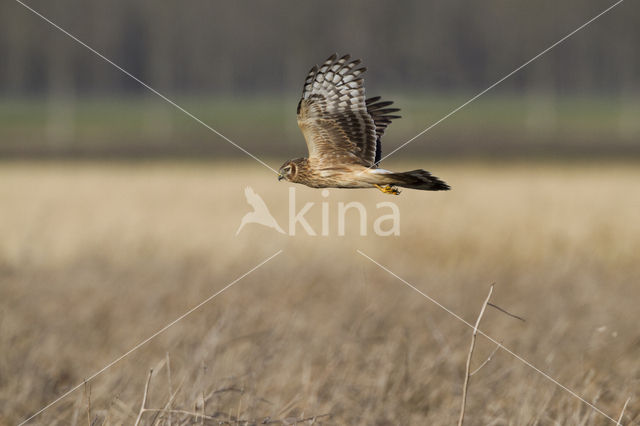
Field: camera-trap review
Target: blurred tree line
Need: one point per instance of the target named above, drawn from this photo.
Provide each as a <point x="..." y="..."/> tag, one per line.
<point x="245" y="46"/>
<point x="248" y="58"/>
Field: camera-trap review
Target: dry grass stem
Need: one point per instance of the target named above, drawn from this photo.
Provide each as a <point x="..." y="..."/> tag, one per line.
<point x="88" y="396"/>
<point x="172" y="395"/>
<point x="504" y="311"/>
<point x="624" y="407"/>
<point x="467" y="374"/>
<point x="167" y="407"/>
<point x="486" y="360"/>
<point x="144" y="398"/>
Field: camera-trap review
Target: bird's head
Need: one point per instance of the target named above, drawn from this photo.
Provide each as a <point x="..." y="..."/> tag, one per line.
<point x="289" y="170"/>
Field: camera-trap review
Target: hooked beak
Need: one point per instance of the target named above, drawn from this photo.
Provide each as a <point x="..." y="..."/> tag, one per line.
<point x="280" y="177"/>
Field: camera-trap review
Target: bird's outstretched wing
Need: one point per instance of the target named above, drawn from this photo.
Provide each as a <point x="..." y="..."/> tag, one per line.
<point x="382" y="117"/>
<point x="333" y="116"/>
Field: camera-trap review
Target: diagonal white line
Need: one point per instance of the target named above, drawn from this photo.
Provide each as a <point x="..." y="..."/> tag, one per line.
<point x="502" y="79"/>
<point x="145" y="85"/>
<point x="148" y="339"/>
<point x="515" y="355"/>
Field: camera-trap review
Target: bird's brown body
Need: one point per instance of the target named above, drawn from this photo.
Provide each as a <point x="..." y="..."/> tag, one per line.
<point x="315" y="175"/>
<point x="343" y="132"/>
<point x="354" y="176"/>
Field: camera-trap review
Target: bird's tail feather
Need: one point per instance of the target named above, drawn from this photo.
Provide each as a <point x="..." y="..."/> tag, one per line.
<point x="414" y="179"/>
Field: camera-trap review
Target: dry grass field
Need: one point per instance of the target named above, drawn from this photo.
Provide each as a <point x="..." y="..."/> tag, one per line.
<point x="96" y="257"/>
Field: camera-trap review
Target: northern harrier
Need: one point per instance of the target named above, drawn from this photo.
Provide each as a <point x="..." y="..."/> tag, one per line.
<point x="343" y="132"/>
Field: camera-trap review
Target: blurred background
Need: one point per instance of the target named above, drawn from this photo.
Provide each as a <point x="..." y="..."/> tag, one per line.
<point x="118" y="213"/>
<point x="241" y="62"/>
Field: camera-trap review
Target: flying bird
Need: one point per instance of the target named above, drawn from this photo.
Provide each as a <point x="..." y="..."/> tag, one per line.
<point x="260" y="213"/>
<point x="343" y="131"/>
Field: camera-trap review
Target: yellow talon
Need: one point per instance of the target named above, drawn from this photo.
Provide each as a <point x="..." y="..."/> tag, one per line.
<point x="388" y="189"/>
